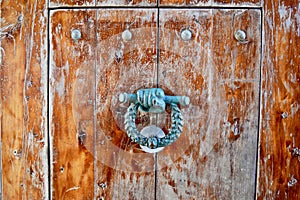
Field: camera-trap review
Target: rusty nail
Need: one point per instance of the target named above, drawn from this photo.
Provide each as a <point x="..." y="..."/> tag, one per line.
<point x="296" y="152"/>
<point x="240" y="36"/>
<point x="292" y="182"/>
<point x="76" y="34"/>
<point x="102" y="185"/>
<point x="119" y="55"/>
<point x="127" y="35"/>
<point x="284" y="115"/>
<point x="186" y="35"/>
<point x="20" y="18"/>
<point x="17" y="153"/>
<point x="101" y="142"/>
<point x="61" y="169"/>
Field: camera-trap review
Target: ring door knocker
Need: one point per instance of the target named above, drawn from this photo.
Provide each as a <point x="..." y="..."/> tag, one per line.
<point x="151" y="138"/>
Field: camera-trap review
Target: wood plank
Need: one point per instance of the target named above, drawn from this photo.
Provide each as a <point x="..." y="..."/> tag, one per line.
<point x="126" y="3"/>
<point x="123" y="171"/>
<point x="72" y="99"/>
<point x="194" y="3"/>
<point x="238" y="2"/>
<point x="83" y="3"/>
<point x="279" y="162"/>
<point x="23" y="103"/>
<point x="216" y="153"/>
<point x="71" y="3"/>
<point x="185" y="3"/>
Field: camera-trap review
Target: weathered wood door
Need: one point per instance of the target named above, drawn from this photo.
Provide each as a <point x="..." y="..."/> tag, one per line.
<point x="215" y="157"/>
<point x="64" y="63"/>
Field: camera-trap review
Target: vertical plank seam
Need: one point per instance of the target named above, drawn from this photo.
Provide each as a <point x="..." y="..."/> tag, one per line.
<point x="256" y="181"/>
<point x="45" y="114"/>
<point x="48" y="107"/>
<point x="157" y="81"/>
<point x="1" y="110"/>
<point x="95" y="104"/>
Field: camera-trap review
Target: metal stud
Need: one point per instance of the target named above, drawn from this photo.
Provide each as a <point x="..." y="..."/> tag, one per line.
<point x="240" y="36"/>
<point x="76" y="34"/>
<point x="292" y="182"/>
<point x="20" y="18"/>
<point x="284" y="115"/>
<point x="186" y="35"/>
<point x="127" y="35"/>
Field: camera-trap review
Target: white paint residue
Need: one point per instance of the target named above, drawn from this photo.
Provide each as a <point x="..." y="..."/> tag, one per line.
<point x="72" y="188"/>
<point x="55" y="5"/>
<point x="44" y="84"/>
<point x="297" y="16"/>
<point x="288" y="22"/>
<point x="282" y="12"/>
<point x="67" y="68"/>
<point x="294" y="108"/>
<point x="285" y="15"/>
<point x="169" y="192"/>
<point x="60" y="87"/>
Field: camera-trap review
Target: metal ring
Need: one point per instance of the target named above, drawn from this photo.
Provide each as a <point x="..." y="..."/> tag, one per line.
<point x="153" y="142"/>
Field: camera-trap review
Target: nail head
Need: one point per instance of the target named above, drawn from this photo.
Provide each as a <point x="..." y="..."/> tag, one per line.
<point x="186" y="35"/>
<point x="76" y="34"/>
<point x="240" y="35"/>
<point x="127" y="35"/>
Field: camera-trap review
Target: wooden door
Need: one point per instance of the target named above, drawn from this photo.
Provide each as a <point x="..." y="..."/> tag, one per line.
<point x="91" y="154"/>
<point x="63" y="64"/>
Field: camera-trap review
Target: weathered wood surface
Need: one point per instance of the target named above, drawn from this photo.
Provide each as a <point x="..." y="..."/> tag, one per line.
<point x="123" y="171"/>
<point x="191" y="3"/>
<point x="91" y="156"/>
<point x="126" y="3"/>
<point x="279" y="162"/>
<point x="215" y="158"/>
<point x="71" y="3"/>
<point x="154" y="3"/>
<point x="83" y="3"/>
<point x="116" y="66"/>
<point x="23" y="103"/>
<point x="72" y="100"/>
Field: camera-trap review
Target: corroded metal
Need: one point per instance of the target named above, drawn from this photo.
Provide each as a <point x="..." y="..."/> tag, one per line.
<point x="127" y="35"/>
<point x="186" y="35"/>
<point x="153" y="100"/>
<point x="76" y="34"/>
<point x="240" y="36"/>
<point x="153" y="142"/>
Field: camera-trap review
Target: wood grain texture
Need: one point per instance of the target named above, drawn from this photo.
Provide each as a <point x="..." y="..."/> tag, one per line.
<point x="72" y="100"/>
<point x="23" y="104"/>
<point x="196" y="3"/>
<point x="126" y="3"/>
<point x="91" y="156"/>
<point x="71" y="3"/>
<point x="279" y="164"/>
<point x="215" y="157"/>
<point x="184" y="2"/>
<point x="123" y="171"/>
<point x="238" y="2"/>
<point x="83" y="3"/>
<point x="152" y="3"/>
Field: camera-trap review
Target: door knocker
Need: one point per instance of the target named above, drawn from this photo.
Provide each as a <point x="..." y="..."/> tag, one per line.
<point x="153" y="100"/>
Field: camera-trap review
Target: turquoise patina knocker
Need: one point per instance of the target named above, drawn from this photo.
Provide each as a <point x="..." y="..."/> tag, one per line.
<point x="153" y="100"/>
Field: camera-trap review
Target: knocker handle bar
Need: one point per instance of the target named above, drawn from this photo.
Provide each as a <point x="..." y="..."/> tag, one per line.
<point x="132" y="98"/>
